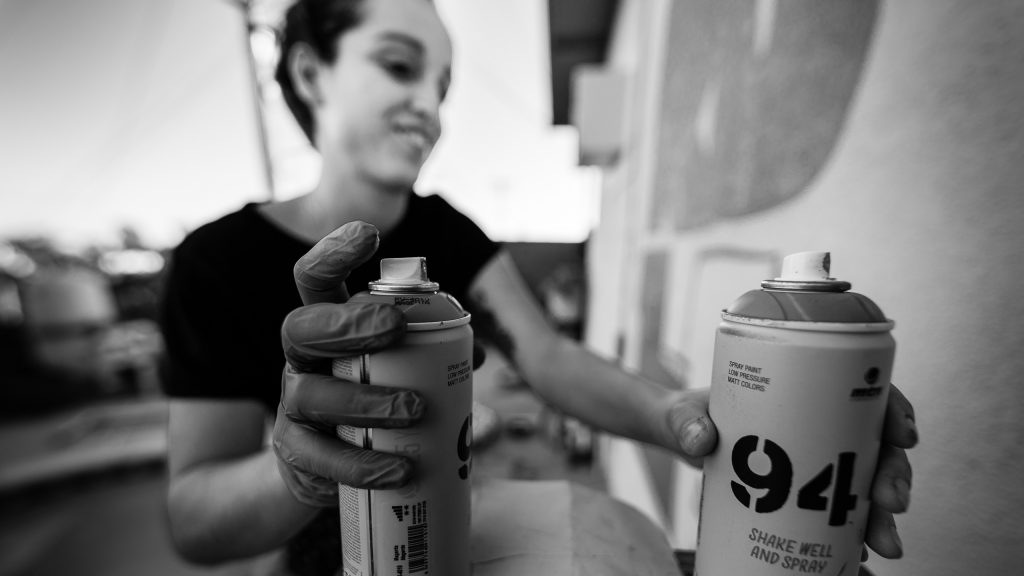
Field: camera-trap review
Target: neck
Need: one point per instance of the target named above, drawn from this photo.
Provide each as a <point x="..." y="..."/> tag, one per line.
<point x="336" y="201"/>
<point x="333" y="203"/>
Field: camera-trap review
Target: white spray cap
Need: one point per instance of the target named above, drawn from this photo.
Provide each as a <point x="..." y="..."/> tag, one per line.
<point x="806" y="271"/>
<point x="404" y="270"/>
<point x="806" y="266"/>
<point x="404" y="274"/>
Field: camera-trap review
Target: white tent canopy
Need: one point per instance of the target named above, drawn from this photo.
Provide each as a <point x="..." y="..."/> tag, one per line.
<point x="133" y="111"/>
<point x="144" y="113"/>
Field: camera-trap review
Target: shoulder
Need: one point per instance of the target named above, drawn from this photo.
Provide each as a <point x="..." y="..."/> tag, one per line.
<point x="199" y="264"/>
<point x="434" y="211"/>
<point x="432" y="204"/>
<point x="242" y="239"/>
<point x="212" y="238"/>
<point x="240" y="244"/>
<point x="433" y="216"/>
<point x="455" y="244"/>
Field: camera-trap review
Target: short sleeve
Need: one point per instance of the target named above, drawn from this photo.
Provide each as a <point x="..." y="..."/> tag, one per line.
<point x="208" y="353"/>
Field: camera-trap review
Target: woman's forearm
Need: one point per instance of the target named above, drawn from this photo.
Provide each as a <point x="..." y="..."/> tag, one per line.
<point x="563" y="372"/>
<point x="232" y="509"/>
<point x="598" y="392"/>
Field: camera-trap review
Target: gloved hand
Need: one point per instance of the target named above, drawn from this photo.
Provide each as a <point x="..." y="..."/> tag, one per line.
<point x="696" y="436"/>
<point x="311" y="459"/>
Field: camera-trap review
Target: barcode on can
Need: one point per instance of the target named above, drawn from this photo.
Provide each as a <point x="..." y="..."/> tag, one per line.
<point x="417" y="539"/>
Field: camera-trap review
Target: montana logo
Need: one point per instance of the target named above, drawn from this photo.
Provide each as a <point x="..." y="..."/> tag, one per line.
<point x="411" y="300"/>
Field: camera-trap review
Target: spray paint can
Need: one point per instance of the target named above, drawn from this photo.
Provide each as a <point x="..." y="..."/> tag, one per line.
<point x="799" y="388"/>
<point x="423" y="527"/>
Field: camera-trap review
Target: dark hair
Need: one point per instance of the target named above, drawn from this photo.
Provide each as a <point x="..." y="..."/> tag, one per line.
<point x="318" y="24"/>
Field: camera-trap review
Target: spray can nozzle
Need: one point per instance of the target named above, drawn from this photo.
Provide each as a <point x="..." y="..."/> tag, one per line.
<point x="404" y="275"/>
<point x="807" y="271"/>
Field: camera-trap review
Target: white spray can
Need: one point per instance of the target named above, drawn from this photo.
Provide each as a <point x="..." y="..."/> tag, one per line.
<point x="799" y="388"/>
<point x="421" y="528"/>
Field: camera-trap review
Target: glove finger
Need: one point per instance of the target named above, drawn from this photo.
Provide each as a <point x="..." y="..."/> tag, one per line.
<point x="323" y="401"/>
<point x="320" y="273"/>
<point x="326" y="457"/>
<point x="312" y="334"/>
<point x="306" y="488"/>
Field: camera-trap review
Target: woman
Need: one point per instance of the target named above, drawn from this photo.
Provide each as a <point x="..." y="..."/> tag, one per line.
<point x="366" y="81"/>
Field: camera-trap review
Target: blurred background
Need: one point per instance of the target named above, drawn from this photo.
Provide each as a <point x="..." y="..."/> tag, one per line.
<point x="646" y="161"/>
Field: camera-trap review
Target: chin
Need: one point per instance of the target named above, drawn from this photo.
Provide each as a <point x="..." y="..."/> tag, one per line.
<point x="399" y="176"/>
<point x="398" y="183"/>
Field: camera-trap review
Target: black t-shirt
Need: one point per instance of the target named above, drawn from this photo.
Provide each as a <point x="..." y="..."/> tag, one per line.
<point x="230" y="286"/>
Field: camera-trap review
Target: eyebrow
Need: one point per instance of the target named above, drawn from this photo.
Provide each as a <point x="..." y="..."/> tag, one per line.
<point x="413" y="44"/>
<point x="403" y="38"/>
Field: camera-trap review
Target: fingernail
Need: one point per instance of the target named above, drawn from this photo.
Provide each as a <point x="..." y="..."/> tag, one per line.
<point x="352" y="240"/>
<point x="396" y="476"/>
<point x="912" y="429"/>
<point x="896" y="538"/>
<point x="414" y="404"/>
<point x="902" y="492"/>
<point x="693" y="434"/>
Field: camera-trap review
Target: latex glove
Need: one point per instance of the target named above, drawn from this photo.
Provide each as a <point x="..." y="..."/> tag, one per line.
<point x="696" y="436"/>
<point x="311" y="459"/>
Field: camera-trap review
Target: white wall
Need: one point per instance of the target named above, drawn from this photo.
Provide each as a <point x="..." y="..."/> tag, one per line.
<point x="922" y="208"/>
<point x="614" y="248"/>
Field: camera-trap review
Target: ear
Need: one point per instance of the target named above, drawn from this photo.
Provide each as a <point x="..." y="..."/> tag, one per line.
<point x="304" y="69"/>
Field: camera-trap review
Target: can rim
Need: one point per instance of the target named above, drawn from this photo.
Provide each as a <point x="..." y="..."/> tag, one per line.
<point x="829" y="285"/>
<point x="847" y="327"/>
<point x="439" y="325"/>
<point x="389" y="288"/>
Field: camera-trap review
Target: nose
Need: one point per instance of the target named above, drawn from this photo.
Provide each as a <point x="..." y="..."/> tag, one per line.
<point x="425" y="100"/>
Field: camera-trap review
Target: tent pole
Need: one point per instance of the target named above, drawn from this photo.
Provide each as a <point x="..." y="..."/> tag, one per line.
<point x="261" y="128"/>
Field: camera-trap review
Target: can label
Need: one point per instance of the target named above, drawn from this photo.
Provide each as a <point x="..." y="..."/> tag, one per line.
<point x="799" y="415"/>
<point x="422" y="527"/>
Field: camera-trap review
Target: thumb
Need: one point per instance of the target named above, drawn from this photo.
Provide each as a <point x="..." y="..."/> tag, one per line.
<point x="688" y="421"/>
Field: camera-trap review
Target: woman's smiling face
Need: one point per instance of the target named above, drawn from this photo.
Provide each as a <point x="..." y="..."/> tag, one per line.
<point x="378" y="115"/>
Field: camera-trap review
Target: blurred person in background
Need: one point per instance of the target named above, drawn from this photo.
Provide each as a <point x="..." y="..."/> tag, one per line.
<point x="366" y="80"/>
<point x="56" y="314"/>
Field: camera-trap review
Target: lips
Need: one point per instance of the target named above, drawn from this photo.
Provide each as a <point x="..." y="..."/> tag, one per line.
<point x="418" y="137"/>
